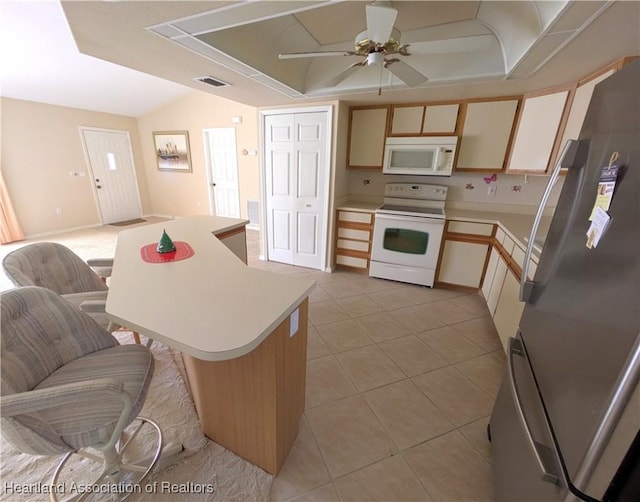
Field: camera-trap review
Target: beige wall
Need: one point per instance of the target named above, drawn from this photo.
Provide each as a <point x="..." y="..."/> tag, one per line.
<point x="186" y="194"/>
<point x="41" y="144"/>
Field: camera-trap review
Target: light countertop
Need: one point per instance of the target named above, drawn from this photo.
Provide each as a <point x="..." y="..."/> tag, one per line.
<point x="358" y="205"/>
<point x="517" y="226"/>
<point x="210" y="306"/>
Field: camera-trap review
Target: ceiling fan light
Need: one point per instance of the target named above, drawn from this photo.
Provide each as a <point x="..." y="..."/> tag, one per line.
<point x="375" y="59"/>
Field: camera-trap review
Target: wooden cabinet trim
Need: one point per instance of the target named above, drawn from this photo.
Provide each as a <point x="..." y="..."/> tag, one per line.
<point x="616" y="65"/>
<point x="366" y="227"/>
<point x="377" y="167"/>
<point x="512" y="265"/>
<point x="514" y="126"/>
<point x="487" y="240"/>
<point x="475" y="239"/>
<point x="355" y="225"/>
<point x="463" y="117"/>
<point x="570" y="89"/>
<point x="355" y="254"/>
<point x="424" y="104"/>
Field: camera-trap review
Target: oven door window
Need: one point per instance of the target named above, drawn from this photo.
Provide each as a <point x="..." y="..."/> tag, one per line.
<point x="406" y="241"/>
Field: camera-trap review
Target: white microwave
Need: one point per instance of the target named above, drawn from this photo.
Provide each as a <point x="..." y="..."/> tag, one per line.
<point x="425" y="155"/>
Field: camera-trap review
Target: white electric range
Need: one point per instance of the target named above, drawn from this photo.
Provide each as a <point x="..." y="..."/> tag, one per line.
<point x="407" y="233"/>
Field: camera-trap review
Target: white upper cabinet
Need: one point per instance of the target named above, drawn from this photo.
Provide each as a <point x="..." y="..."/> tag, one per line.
<point x="580" y="104"/>
<point x="407" y="119"/>
<point x="367" y="135"/>
<point x="427" y="119"/>
<point x="538" y="131"/>
<point x="441" y="119"/>
<point x="486" y="132"/>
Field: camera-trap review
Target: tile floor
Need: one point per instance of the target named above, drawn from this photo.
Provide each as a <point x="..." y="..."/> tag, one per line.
<point x="401" y="381"/>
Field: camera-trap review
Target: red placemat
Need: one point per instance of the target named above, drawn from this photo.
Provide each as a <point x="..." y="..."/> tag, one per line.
<point x="150" y="255"/>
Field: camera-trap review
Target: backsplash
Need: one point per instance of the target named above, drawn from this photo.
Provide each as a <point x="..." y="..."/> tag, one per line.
<point x="511" y="189"/>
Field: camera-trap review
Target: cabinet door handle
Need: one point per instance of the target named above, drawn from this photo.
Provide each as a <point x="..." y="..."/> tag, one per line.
<point x="565" y="159"/>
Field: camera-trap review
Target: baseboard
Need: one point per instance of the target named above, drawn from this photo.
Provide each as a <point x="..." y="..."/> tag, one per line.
<point x="62" y="231"/>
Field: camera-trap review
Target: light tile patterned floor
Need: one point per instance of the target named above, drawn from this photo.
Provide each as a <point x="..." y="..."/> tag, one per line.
<point x="401" y="381"/>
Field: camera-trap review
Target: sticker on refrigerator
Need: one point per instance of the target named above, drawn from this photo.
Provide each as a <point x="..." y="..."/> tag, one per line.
<point x="598" y="227"/>
<point x="606" y="186"/>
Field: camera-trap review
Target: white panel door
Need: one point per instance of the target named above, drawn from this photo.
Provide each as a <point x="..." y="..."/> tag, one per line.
<point x="296" y="168"/>
<point x="113" y="174"/>
<point x="279" y="158"/>
<point x="222" y="167"/>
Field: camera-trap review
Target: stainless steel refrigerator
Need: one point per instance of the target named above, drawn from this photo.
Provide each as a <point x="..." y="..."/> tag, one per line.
<point x="566" y="421"/>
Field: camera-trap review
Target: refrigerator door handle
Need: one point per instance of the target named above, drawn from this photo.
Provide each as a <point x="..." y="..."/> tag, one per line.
<point x="544" y="456"/>
<point x="565" y="159"/>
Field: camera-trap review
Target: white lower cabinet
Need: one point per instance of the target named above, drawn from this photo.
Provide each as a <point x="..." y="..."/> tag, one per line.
<point x="462" y="263"/>
<point x="508" y="309"/>
<point x="493" y="279"/>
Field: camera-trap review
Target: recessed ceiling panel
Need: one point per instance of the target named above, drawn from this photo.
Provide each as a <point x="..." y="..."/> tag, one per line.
<point x="432" y="41"/>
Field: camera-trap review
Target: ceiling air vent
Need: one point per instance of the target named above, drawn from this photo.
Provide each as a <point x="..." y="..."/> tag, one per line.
<point x="211" y="81"/>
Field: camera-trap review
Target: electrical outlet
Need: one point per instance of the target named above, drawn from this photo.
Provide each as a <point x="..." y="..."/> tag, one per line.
<point x="491" y="191"/>
<point x="58" y="210"/>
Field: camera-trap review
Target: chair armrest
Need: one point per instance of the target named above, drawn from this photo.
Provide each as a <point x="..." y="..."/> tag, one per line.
<point x="93" y="306"/>
<point x="101" y="266"/>
<point x="62" y="395"/>
<point x="100" y="262"/>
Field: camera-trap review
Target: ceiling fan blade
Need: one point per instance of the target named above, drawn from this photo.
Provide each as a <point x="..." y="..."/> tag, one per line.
<point x="405" y="73"/>
<point x="344" y="74"/>
<point x="380" y="20"/>
<point x="295" y="55"/>
<point x="472" y="43"/>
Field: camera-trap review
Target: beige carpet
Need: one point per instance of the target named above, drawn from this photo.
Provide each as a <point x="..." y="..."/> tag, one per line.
<point x="202" y="464"/>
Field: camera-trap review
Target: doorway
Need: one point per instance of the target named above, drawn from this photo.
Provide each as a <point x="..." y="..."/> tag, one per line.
<point x="222" y="171"/>
<point x="297" y="147"/>
<point x="113" y="174"/>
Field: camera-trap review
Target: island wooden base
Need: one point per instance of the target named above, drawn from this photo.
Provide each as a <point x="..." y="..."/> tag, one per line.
<point x="252" y="405"/>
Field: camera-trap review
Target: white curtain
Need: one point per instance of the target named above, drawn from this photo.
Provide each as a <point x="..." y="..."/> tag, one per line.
<point x="10" y="230"/>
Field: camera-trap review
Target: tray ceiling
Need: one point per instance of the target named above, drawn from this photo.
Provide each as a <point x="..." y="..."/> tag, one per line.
<point x="457" y="48"/>
<point x="447" y="42"/>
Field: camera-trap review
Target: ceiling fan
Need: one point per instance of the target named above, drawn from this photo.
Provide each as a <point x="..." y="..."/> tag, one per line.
<point x="379" y="45"/>
<point x="376" y="44"/>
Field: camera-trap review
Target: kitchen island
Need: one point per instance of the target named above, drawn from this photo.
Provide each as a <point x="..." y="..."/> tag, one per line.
<point x="242" y="331"/>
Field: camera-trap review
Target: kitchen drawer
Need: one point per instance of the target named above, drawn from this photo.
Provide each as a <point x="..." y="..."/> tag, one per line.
<point x="353" y="245"/>
<point x="354" y="217"/>
<point x="352" y="233"/>
<point x="351" y="261"/>
<point x="467" y="227"/>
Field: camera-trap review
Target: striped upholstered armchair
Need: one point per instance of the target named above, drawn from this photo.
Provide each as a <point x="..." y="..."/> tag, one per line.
<point x="67" y="384"/>
<point x="54" y="266"/>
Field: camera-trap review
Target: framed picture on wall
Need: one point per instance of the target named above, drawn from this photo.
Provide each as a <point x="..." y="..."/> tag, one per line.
<point x="172" y="151"/>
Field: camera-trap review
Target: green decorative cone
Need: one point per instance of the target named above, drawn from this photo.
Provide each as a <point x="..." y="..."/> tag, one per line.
<point x="165" y="245"/>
